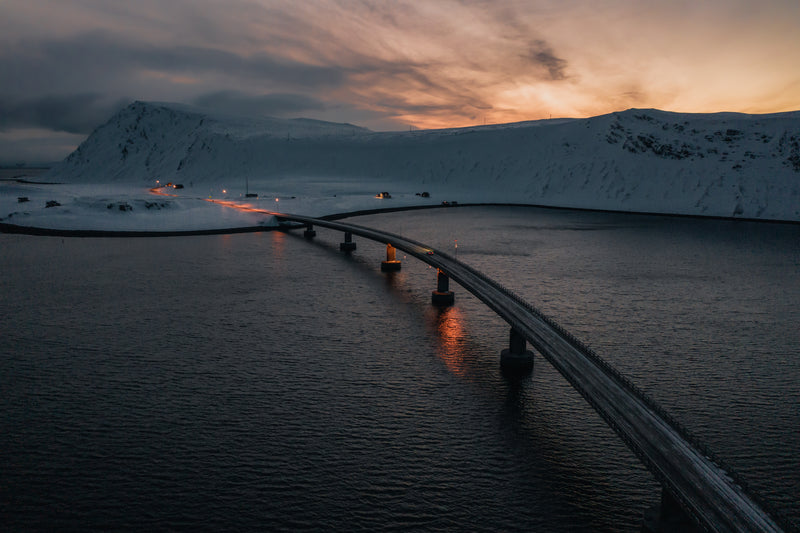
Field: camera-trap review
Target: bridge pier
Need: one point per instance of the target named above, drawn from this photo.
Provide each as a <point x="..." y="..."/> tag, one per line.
<point x="516" y="357"/>
<point x="442" y="296"/>
<point x="710" y="494"/>
<point x="391" y="264"/>
<point x="310" y="232"/>
<point x="668" y="517"/>
<point x="348" y="245"/>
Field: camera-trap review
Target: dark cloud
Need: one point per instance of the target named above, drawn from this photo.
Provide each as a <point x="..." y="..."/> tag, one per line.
<point x="42" y="148"/>
<point x="76" y="113"/>
<point x="99" y="59"/>
<point x="542" y="55"/>
<point x="280" y="72"/>
<point x="275" y="104"/>
<point x="90" y="66"/>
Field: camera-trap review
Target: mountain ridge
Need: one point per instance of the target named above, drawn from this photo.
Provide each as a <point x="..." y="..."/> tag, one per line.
<point x="642" y="160"/>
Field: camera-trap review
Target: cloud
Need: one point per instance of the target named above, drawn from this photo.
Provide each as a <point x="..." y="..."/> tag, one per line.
<point x="541" y="54"/>
<point x="274" y="104"/>
<point x="190" y="59"/>
<point x="36" y="146"/>
<point x="102" y="60"/>
<point x="76" y="113"/>
<point x="432" y="64"/>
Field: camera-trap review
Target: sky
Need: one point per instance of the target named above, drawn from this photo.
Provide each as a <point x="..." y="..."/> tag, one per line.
<point x="66" y="66"/>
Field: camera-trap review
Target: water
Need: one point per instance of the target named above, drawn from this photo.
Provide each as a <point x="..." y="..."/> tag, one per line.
<point x="260" y="381"/>
<point x="15" y="173"/>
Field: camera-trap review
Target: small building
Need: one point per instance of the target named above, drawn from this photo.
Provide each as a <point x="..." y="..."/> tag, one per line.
<point x="383" y="194"/>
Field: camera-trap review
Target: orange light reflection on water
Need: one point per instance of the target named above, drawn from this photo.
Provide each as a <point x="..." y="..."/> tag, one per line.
<point x="450" y="329"/>
<point x="278" y="243"/>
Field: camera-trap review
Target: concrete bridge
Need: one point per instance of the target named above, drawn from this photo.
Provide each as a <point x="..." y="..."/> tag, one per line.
<point x="695" y="488"/>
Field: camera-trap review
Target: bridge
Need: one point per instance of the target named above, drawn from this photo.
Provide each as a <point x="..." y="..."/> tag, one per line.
<point x="693" y="484"/>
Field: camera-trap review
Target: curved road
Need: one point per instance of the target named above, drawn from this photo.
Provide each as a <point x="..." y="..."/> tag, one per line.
<point x="703" y="489"/>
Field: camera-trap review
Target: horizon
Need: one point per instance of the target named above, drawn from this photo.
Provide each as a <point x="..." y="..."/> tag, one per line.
<point x="70" y="65"/>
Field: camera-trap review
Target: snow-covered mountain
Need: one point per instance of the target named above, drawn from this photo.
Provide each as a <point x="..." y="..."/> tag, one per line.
<point x="637" y="160"/>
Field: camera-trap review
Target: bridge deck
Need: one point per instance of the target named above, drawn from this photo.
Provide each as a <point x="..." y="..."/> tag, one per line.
<point x="704" y="489"/>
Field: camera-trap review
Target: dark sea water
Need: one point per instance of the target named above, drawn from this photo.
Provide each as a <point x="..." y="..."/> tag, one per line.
<point x="264" y="382"/>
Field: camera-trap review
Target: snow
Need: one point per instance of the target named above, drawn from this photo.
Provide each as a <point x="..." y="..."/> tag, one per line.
<point x="728" y="165"/>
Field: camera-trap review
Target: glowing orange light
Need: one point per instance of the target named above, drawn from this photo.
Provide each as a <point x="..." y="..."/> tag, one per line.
<point x="160" y="192"/>
<point x="224" y="191"/>
<point x="227" y="203"/>
<point x="451" y="334"/>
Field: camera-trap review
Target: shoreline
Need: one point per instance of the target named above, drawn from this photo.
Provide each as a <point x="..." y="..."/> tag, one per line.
<point x="50" y="232"/>
<point x="54" y="232"/>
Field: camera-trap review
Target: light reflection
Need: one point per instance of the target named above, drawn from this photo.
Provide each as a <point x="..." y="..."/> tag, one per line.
<point x="278" y="243"/>
<point x="158" y="191"/>
<point x="250" y="208"/>
<point x="450" y="329"/>
<point x="394" y="279"/>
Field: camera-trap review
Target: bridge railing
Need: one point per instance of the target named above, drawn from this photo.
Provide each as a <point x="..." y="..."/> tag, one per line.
<point x="625" y="382"/>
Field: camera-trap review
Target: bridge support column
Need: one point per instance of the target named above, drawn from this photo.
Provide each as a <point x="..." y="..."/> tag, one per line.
<point x="391" y="264"/>
<point x="309" y="233"/>
<point x="668" y="517"/>
<point x="348" y="245"/>
<point x="442" y="296"/>
<point x="516" y="357"/>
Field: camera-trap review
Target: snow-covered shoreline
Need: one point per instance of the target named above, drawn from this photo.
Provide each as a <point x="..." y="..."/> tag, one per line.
<point x="637" y="161"/>
<point x="83" y="215"/>
<point x="120" y="208"/>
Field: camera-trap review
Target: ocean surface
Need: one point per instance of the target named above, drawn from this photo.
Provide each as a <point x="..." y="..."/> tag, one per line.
<point x="266" y="382"/>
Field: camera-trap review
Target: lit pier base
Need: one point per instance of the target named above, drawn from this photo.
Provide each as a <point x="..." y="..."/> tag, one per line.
<point x="391" y="264"/>
<point x="668" y="517"/>
<point x="309" y="233"/>
<point x="348" y="245"/>
<point x="442" y="296"/>
<point x="516" y="358"/>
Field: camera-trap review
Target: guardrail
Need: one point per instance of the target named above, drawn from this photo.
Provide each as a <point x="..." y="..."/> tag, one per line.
<point x="631" y="387"/>
<point x="403" y="243"/>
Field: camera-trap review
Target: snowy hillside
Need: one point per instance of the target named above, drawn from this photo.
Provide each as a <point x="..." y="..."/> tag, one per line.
<point x="636" y="160"/>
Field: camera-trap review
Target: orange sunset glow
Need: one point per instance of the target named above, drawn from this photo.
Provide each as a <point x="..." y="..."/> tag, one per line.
<point x="67" y="65"/>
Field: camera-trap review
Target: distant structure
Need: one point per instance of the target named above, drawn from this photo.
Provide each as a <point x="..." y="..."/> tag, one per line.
<point x="247" y="193"/>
